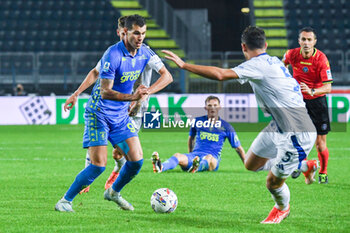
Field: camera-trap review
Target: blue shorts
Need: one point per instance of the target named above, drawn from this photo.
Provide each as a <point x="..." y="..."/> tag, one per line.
<point x="190" y="157"/>
<point x="99" y="129"/>
<point x="136" y="121"/>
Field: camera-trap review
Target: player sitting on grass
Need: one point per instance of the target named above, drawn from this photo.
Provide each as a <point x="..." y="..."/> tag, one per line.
<point x="204" y="144"/>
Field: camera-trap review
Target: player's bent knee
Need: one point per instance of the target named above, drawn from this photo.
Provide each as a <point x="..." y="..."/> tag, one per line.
<point x="250" y="167"/>
<point x="116" y="154"/>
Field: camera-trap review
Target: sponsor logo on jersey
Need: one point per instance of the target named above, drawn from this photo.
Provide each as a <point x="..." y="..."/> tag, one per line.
<point x="306" y="63"/>
<point x="329" y="75"/>
<point x="305" y="69"/>
<point x="106" y="66"/>
<point x="209" y="136"/>
<point x="130" y="76"/>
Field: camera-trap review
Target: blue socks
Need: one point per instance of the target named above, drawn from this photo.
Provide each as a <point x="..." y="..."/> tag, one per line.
<point x="203" y="166"/>
<point x="83" y="179"/>
<point x="171" y="163"/>
<point x="126" y="174"/>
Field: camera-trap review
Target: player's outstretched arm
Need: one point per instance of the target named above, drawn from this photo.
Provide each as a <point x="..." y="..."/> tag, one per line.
<point x="108" y="93"/>
<point x="90" y="79"/>
<point x="211" y="72"/>
<point x="241" y="153"/>
<point x="164" y="80"/>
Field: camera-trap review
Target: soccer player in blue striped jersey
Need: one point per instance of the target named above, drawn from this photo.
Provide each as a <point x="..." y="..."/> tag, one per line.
<point x="106" y="113"/>
<point x="204" y="143"/>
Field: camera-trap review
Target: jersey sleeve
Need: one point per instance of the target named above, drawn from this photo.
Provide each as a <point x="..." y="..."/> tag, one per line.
<point x="232" y="136"/>
<point x="109" y="64"/>
<point x="325" y="70"/>
<point x="247" y="71"/>
<point x="98" y="66"/>
<point x="155" y="63"/>
<point x="286" y="58"/>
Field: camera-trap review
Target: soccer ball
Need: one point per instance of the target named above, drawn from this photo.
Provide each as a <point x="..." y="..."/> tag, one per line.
<point x="163" y="200"/>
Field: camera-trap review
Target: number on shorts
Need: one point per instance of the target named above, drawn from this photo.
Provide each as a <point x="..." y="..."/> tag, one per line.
<point x="131" y="127"/>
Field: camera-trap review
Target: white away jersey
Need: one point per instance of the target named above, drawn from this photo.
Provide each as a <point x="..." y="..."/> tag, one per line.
<point x="277" y="92"/>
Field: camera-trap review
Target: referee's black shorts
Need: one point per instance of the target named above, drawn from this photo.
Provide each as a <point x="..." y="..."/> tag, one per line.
<point x="318" y="112"/>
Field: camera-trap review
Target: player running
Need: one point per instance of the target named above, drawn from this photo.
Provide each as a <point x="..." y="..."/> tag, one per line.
<point x="312" y="71"/>
<point x="136" y="107"/>
<point x="106" y="113"/>
<point x="204" y="143"/>
<point x="289" y="137"/>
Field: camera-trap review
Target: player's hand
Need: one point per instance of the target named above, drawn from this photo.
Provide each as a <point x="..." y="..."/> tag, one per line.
<point x="173" y="57"/>
<point x="70" y="102"/>
<point x="305" y="88"/>
<point x="135" y="107"/>
<point x="140" y="92"/>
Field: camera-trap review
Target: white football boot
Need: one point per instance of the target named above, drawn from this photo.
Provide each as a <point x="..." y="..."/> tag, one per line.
<point x="64" y="206"/>
<point x="111" y="195"/>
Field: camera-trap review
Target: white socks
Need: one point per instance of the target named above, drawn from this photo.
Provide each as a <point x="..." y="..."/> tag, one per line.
<point x="304" y="166"/>
<point x="87" y="159"/>
<point x="281" y="196"/>
<point x="118" y="164"/>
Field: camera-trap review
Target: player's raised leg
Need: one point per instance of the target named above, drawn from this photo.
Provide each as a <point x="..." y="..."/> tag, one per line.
<point x="98" y="155"/>
<point x="131" y="168"/>
<point x="256" y="163"/>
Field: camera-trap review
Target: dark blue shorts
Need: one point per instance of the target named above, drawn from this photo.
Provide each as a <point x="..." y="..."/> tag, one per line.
<point x="99" y="129"/>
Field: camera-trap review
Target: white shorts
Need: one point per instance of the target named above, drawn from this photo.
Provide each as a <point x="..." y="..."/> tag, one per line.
<point x="289" y="149"/>
<point x="137" y="122"/>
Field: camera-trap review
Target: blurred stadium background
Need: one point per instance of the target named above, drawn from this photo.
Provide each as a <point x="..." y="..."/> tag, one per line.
<point x="50" y="45"/>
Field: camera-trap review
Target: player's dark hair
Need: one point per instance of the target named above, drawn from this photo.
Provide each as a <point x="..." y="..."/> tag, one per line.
<point x="308" y="29"/>
<point x="253" y="38"/>
<point x="211" y="97"/>
<point x="134" y="20"/>
<point x="121" y="21"/>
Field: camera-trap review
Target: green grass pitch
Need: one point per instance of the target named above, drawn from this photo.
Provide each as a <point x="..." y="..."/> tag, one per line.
<point x="38" y="164"/>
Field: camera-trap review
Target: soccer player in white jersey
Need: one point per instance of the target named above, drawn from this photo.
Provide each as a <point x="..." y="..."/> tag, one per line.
<point x="289" y="137"/>
<point x="136" y="110"/>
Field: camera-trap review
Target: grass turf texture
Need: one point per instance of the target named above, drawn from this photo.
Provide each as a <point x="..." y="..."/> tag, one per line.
<point x="38" y="163"/>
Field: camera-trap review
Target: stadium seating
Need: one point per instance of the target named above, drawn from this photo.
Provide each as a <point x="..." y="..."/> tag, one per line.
<point x="49" y="30"/>
<point x="330" y="19"/>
